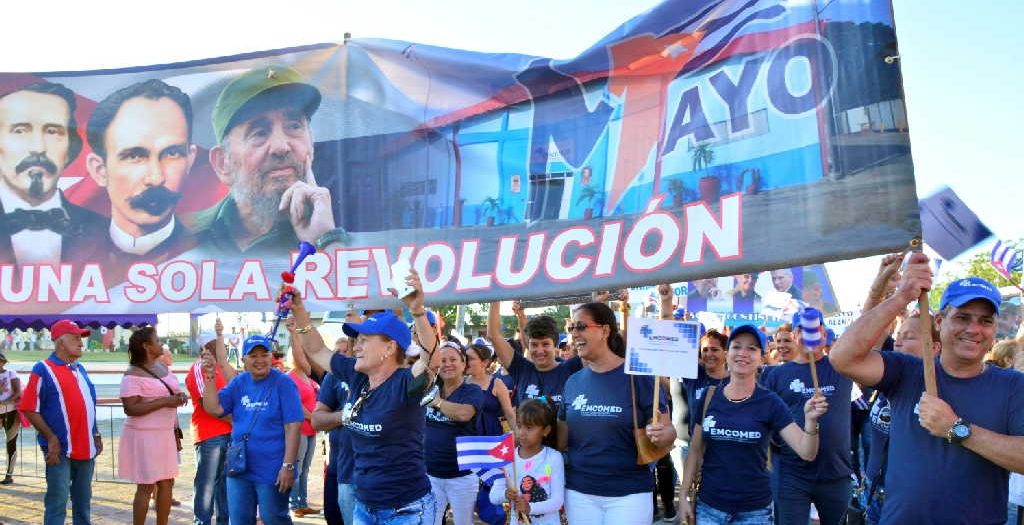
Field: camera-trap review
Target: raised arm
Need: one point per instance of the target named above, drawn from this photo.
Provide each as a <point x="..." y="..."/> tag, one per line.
<point x="505" y="400"/>
<point x="211" y="402"/>
<point x="426" y="336"/>
<point x="313" y="347"/>
<point x="520" y="313"/>
<point x="852" y="354"/>
<point x="298" y="356"/>
<point x="221" y="353"/>
<point x="502" y="349"/>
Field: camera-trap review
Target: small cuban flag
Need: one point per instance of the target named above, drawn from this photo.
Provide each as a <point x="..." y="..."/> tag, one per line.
<point x="484" y="452"/>
<point x="809" y="320"/>
<point x="1006" y="259"/>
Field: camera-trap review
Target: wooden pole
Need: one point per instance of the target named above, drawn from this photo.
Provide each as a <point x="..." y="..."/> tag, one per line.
<point x="657" y="400"/>
<point x="925" y="318"/>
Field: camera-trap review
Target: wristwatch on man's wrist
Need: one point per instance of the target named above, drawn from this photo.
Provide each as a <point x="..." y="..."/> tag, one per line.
<point x="957" y="433"/>
<point x="288" y="466"/>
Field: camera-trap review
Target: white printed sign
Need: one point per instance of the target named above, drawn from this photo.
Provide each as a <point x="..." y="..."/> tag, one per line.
<point x="662" y="348"/>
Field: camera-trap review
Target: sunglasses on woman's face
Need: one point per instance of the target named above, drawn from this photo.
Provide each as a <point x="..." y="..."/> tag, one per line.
<point x="579" y="326"/>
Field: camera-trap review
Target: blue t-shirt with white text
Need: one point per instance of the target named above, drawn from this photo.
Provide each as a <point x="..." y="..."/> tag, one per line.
<point x="274" y="400"/>
<point x="792" y="382"/>
<point x="695" y="389"/>
<point x="387" y="437"/>
<point x="879" y="421"/>
<point x="929" y="480"/>
<point x="333" y="394"/>
<point x="441" y="432"/>
<point x="598" y="410"/>
<point x="531" y="383"/>
<point x="734" y="476"/>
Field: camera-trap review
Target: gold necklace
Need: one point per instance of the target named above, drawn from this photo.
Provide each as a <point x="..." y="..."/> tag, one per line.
<point x="731" y="400"/>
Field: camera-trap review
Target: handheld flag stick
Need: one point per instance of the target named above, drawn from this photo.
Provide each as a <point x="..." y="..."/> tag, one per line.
<point x="925" y="318"/>
<point x="812" y="335"/>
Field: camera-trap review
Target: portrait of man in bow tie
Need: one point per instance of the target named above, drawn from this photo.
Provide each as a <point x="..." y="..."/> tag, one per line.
<point x="38" y="140"/>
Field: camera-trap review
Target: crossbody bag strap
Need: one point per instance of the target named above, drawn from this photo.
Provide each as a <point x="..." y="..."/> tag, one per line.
<point x="168" y="387"/>
<point x="252" y="424"/>
<point x="710" y="391"/>
<point x="632" y="394"/>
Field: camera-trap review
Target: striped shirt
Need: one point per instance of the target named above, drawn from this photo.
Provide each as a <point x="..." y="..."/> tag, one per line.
<point x="64" y="396"/>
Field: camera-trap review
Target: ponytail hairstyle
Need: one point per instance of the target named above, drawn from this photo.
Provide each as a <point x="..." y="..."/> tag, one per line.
<point x="603" y="315"/>
<point x="539" y="412"/>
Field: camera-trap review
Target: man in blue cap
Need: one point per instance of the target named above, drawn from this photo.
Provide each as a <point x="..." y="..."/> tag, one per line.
<point x="949" y="455"/>
<point x="265" y="156"/>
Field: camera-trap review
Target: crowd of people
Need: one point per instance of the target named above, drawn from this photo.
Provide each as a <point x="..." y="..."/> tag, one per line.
<point x="842" y="431"/>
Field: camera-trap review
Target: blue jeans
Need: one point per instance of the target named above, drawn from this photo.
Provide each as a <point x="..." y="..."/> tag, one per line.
<point x="70" y="478"/>
<point x="875" y="499"/>
<point x="793" y="499"/>
<point x="706" y="514"/>
<point x="210" y="486"/>
<point x="307" y="448"/>
<point x="418" y="512"/>
<point x="347" y="501"/>
<point x="244" y="496"/>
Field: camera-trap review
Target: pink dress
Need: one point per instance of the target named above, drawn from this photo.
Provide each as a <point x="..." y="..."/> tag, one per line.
<point x="147" y="452"/>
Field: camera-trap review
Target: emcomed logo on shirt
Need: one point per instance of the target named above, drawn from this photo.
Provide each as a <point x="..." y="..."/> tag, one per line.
<point x="251" y="405"/>
<point x="532" y="390"/>
<point x="580" y="405"/>
<point x="711" y="428"/>
<point x="799" y="387"/>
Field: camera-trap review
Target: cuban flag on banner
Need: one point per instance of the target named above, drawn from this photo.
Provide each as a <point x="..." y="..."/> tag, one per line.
<point x="484" y="452"/>
<point x="1006" y="259"/>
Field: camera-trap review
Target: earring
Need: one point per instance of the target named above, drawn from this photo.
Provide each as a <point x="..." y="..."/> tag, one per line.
<point x="383" y="357"/>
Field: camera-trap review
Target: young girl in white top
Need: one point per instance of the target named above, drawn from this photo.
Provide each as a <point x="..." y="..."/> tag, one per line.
<point x="539" y="490"/>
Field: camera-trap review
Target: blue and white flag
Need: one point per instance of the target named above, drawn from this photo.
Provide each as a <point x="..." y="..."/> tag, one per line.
<point x="809" y="320"/>
<point x="1006" y="259"/>
<point x="484" y="452"/>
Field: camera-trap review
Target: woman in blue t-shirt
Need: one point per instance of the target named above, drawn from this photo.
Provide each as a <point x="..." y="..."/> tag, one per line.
<point x="603" y="480"/>
<point x="266" y="414"/>
<point x="450" y="414"/>
<point x="382" y="414"/>
<point x="730" y="446"/>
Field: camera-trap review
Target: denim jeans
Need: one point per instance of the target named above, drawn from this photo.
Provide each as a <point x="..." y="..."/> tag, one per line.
<point x="70" y="478"/>
<point x="307" y="449"/>
<point x="210" y="491"/>
<point x="706" y="514"/>
<point x="244" y="496"/>
<point x="793" y="499"/>
<point x="419" y="512"/>
<point x="347" y="501"/>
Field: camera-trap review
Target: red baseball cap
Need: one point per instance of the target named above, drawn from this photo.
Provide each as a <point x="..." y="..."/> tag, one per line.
<point x="67" y="326"/>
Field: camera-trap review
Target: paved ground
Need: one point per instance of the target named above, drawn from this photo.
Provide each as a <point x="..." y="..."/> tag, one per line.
<point x="22" y="502"/>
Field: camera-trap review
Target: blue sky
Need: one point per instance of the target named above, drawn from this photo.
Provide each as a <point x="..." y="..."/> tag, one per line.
<point x="961" y="65"/>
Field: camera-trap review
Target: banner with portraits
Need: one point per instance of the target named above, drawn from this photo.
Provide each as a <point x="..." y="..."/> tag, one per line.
<point x="697" y="140"/>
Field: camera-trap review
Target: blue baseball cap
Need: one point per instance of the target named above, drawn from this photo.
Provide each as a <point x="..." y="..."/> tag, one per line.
<point x="384" y="323"/>
<point x="963" y="291"/>
<point x="747" y="329"/>
<point x="254" y="341"/>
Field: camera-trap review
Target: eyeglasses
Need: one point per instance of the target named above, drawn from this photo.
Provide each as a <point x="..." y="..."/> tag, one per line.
<point x="579" y="326"/>
<point x="354" y="411"/>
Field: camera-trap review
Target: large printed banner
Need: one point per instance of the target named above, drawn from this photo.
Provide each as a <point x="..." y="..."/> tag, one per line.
<point x="697" y="140"/>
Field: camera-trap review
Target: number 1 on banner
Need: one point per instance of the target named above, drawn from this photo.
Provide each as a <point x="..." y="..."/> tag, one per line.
<point x="662" y="348"/>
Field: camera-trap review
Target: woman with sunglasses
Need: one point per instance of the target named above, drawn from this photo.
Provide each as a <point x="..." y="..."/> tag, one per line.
<point x="382" y="414"/>
<point x="604" y="483"/>
<point x="453" y="412"/>
<point x="731" y="441"/>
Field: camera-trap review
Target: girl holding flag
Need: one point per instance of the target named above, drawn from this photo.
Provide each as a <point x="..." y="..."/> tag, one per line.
<point x="382" y="414"/>
<point x="604" y="482"/>
<point x="538" y="488"/>
<point x="452" y="413"/>
<point x="731" y="441"/>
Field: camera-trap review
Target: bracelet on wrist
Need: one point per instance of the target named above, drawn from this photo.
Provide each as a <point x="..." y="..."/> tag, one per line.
<point x="421" y="313"/>
<point x="814" y="432"/>
<point x="305" y="329"/>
